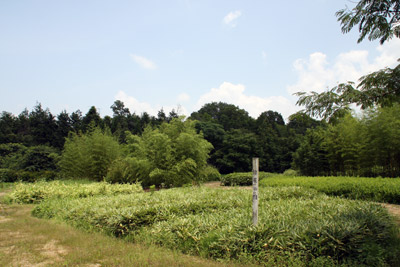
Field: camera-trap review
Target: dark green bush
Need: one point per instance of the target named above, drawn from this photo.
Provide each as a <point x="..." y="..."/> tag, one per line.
<point x="121" y="171"/>
<point x="211" y="173"/>
<point x="48" y="175"/>
<point x="8" y="176"/>
<point x="28" y="176"/>
<point x="241" y="178"/>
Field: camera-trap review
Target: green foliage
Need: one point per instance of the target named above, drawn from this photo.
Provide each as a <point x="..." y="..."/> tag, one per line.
<point x="227" y="115"/>
<point x="89" y="155"/>
<point x="171" y="155"/>
<point x="290" y="172"/>
<point x="210" y="173"/>
<point x="377" y="19"/>
<point x="242" y="178"/>
<point x="8" y="176"/>
<point x="122" y="171"/>
<point x="35" y="158"/>
<point x="310" y="158"/>
<point x="238" y="148"/>
<point x="380" y="155"/>
<point x="293" y="223"/>
<point x="385" y="190"/>
<point x="366" y="146"/>
<point x="39" y="191"/>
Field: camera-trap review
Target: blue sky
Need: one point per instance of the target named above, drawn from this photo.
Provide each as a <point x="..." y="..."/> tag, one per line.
<point x="176" y="54"/>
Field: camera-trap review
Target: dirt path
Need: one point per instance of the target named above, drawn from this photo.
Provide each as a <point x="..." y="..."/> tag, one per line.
<point x="394" y="210"/>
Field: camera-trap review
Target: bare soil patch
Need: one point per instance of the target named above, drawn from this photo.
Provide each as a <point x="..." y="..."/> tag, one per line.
<point x="394" y="210"/>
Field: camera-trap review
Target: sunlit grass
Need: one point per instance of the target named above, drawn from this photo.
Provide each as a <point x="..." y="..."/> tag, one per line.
<point x="385" y="190"/>
<point x="27" y="241"/>
<point x="297" y="224"/>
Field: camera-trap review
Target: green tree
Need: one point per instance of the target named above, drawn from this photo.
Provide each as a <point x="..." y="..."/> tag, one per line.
<point x="119" y="121"/>
<point x="76" y="121"/>
<point x="343" y="142"/>
<point x="92" y="117"/>
<point x="42" y="126"/>
<point x="375" y="19"/>
<point x="172" y="155"/>
<point x="299" y="122"/>
<point x="311" y="157"/>
<point x="213" y="133"/>
<point x="34" y="158"/>
<point x="8" y="126"/>
<point x="227" y="115"/>
<point x="238" y="148"/>
<point x="64" y="126"/>
<point x="89" y="155"/>
<point x="381" y="152"/>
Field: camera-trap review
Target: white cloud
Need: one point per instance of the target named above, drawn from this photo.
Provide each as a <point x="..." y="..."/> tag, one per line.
<point x="135" y="105"/>
<point x="138" y="107"/>
<point x="231" y="18"/>
<point x="235" y="94"/>
<point x="143" y="62"/>
<point x="317" y="74"/>
<point x="183" y="97"/>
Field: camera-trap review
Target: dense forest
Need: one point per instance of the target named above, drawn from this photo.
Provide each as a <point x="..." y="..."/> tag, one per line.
<point x="39" y="142"/>
<point x="235" y="136"/>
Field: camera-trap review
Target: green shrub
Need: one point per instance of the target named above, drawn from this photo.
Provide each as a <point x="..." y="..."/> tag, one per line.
<point x="36" y="192"/>
<point x="241" y="178"/>
<point x="48" y="175"/>
<point x="171" y="155"/>
<point x="89" y="155"/>
<point x="210" y="173"/>
<point x="34" y="158"/>
<point x="290" y="172"/>
<point x="8" y="176"/>
<point x="375" y="189"/>
<point x="28" y="176"/>
<point x="122" y="171"/>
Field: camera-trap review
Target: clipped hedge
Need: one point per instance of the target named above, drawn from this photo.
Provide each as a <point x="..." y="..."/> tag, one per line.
<point x="242" y="178"/>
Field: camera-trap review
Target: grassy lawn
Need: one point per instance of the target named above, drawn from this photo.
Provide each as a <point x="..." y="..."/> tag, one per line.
<point x="28" y="241"/>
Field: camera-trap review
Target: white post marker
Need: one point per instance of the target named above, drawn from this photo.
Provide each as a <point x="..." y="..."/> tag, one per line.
<point x="255" y="191"/>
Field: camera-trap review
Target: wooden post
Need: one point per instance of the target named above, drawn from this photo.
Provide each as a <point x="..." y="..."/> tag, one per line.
<point x="255" y="191"/>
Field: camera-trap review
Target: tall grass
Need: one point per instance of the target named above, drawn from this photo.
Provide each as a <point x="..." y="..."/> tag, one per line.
<point x="36" y="192"/>
<point x="374" y="189"/>
<point x="296" y="224"/>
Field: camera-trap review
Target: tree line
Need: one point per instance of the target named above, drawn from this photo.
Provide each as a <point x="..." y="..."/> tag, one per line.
<point x="234" y="135"/>
<point x="355" y="145"/>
